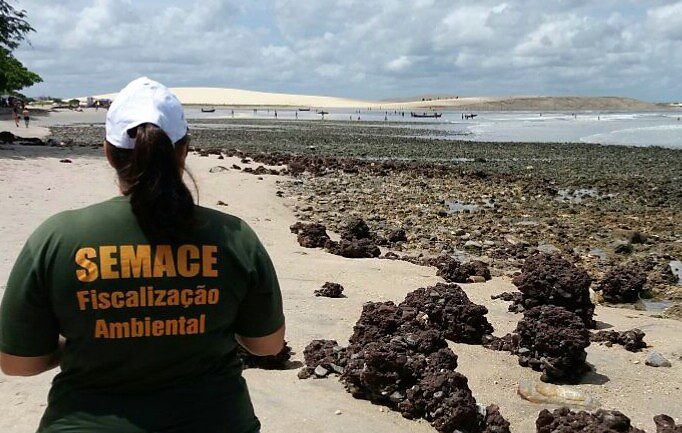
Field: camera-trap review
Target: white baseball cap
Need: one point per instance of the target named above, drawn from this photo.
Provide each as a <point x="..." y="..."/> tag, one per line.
<point x="144" y="101"/>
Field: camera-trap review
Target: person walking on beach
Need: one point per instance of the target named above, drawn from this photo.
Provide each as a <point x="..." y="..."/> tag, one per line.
<point x="15" y="115"/>
<point x="26" y="116"/>
<point x="151" y="293"/>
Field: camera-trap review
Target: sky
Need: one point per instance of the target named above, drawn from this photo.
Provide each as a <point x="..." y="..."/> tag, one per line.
<point x="362" y="49"/>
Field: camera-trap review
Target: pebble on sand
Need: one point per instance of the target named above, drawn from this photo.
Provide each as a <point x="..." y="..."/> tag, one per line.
<point x="655" y="359"/>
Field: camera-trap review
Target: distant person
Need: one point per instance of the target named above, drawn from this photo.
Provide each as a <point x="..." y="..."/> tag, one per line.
<point x="15" y="114"/>
<point x="26" y="115"/>
<point x="142" y="300"/>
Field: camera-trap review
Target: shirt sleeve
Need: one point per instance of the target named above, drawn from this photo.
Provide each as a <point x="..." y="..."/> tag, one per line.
<point x="260" y="312"/>
<point x="28" y="326"/>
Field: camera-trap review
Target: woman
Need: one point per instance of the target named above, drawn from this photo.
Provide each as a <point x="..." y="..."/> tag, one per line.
<point x="26" y="115"/>
<point x="15" y="115"/>
<point x="149" y="292"/>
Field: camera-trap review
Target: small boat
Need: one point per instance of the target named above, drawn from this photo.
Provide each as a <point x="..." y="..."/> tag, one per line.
<point x="304" y="109"/>
<point x="429" y="115"/>
<point x="208" y="110"/>
<point x="322" y="112"/>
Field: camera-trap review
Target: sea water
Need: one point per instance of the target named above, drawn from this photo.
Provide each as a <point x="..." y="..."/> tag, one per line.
<point x="654" y="128"/>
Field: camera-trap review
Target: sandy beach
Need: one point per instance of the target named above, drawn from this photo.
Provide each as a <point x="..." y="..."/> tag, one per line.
<point x="34" y="184"/>
<point x="215" y="96"/>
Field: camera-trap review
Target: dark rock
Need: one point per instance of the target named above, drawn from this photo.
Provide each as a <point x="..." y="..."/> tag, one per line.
<point x="621" y="247"/>
<point x="377" y="320"/>
<point x="452" y="270"/>
<point x="271" y="362"/>
<point x="322" y="353"/>
<point x="398" y="357"/>
<point x="508" y="343"/>
<point x="556" y="339"/>
<point x="514" y="297"/>
<point x="494" y="421"/>
<point x="397" y="235"/>
<point x="312" y="235"/>
<point x="548" y="279"/>
<point x="623" y="284"/>
<point x="564" y="420"/>
<point x="7" y="137"/>
<point x="330" y="290"/>
<point x="637" y="238"/>
<point x="666" y="424"/>
<point x="450" y="311"/>
<point x="390" y="256"/>
<point x="354" y="229"/>
<point x="354" y="249"/>
<point x="632" y="340"/>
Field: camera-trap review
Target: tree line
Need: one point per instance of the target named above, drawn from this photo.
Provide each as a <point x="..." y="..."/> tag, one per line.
<point x="14" y="29"/>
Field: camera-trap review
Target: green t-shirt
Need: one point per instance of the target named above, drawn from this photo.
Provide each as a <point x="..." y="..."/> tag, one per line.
<point x="149" y="328"/>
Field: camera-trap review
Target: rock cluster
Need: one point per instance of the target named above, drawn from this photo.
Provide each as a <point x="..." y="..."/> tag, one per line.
<point x="449" y="310"/>
<point x="549" y="339"/>
<point x="623" y="284"/>
<point x="356" y="242"/>
<point x="355" y="249"/>
<point x="454" y="271"/>
<point x="272" y="362"/>
<point x="396" y="360"/>
<point x="549" y="279"/>
<point x="323" y="357"/>
<point x="632" y="340"/>
<point x="564" y="420"/>
<point x="8" y="137"/>
<point x="330" y="290"/>
<point x="398" y="356"/>
<point x="553" y="340"/>
<point x="312" y="235"/>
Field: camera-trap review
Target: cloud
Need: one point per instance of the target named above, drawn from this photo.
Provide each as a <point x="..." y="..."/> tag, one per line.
<point x="355" y="48"/>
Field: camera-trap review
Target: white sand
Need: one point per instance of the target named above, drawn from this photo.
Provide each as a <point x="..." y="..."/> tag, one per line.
<point x="34" y="185"/>
<point x="207" y="96"/>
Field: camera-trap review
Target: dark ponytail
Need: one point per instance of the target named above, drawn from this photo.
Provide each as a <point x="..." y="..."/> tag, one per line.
<point x="151" y="174"/>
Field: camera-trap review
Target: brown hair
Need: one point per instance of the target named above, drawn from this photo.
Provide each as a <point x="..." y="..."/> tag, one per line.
<point x="151" y="174"/>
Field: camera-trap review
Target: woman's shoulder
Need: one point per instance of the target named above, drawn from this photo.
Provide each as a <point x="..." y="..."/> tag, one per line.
<point x="66" y="220"/>
<point x="214" y="218"/>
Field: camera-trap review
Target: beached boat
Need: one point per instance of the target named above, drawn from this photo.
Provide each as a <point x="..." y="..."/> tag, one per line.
<point x="431" y="115"/>
<point x="208" y="110"/>
<point x="322" y="112"/>
<point x="304" y="109"/>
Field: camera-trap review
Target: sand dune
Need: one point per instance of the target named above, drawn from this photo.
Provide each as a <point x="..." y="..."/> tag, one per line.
<point x="213" y="96"/>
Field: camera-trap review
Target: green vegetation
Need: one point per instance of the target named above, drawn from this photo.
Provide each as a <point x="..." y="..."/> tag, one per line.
<point x="14" y="28"/>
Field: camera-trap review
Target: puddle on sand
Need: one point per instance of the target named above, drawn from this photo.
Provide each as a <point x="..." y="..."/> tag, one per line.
<point x="456" y="206"/>
<point x="579" y="194"/>
<point x="652" y="305"/>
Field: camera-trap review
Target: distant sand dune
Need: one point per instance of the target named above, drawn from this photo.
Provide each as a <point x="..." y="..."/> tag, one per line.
<point x="213" y="96"/>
